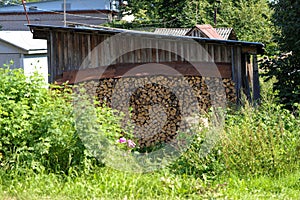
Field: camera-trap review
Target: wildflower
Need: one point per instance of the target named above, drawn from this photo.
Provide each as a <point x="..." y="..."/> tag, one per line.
<point x="130" y="143"/>
<point x="122" y="140"/>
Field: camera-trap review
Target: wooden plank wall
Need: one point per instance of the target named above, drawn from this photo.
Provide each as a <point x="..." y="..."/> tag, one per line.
<point x="75" y="50"/>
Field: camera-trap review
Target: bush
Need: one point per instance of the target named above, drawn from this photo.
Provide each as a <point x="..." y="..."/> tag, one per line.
<point x="36" y="124"/>
<point x="41" y="130"/>
<point x="203" y="158"/>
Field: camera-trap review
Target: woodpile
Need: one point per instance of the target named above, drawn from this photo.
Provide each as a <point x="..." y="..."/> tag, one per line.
<point x="155" y="102"/>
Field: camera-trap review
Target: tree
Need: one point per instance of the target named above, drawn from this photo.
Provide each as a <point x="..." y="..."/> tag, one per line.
<point x="171" y="12"/>
<point x="286" y="67"/>
<point x="251" y="19"/>
<point x="196" y="12"/>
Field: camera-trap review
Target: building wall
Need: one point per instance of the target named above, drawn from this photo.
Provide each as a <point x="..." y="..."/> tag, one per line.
<point x="30" y="63"/>
<point x="6" y="48"/>
<point x="6" y="58"/>
<point x="78" y="50"/>
<point x="36" y="63"/>
<point x="17" y="22"/>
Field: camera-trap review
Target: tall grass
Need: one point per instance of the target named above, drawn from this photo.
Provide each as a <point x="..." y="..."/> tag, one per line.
<point x="262" y="140"/>
<point x="255" y="141"/>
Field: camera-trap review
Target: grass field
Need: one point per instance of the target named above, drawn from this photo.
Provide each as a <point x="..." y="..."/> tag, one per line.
<point x="106" y="183"/>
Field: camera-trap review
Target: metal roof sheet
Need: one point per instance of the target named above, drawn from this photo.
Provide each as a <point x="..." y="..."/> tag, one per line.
<point x="209" y="31"/>
<point x="23" y="40"/>
<point x="225" y="32"/>
<point x="172" y="31"/>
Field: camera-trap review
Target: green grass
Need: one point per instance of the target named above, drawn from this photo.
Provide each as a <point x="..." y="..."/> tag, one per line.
<point x="106" y="183"/>
<point x="264" y="187"/>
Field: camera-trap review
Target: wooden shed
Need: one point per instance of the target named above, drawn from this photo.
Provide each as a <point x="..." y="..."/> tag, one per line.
<point x="154" y="70"/>
<point x="69" y="46"/>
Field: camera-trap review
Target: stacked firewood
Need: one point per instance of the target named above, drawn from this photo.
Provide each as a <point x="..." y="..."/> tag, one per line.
<point x="158" y="104"/>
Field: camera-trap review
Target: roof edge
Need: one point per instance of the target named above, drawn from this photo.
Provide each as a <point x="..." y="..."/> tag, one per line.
<point x="112" y="31"/>
<point x="16" y="46"/>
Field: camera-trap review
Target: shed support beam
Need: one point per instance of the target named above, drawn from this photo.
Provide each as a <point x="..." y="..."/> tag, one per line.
<point x="245" y="77"/>
<point x="237" y="71"/>
<point x="256" y="86"/>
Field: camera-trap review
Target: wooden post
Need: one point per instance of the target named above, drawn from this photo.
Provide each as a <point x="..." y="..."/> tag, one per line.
<point x="245" y="77"/>
<point x="256" y="86"/>
<point x="51" y="58"/>
<point x="236" y="71"/>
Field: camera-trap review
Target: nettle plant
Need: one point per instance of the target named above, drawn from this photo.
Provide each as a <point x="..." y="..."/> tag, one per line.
<point x="121" y="133"/>
<point x="104" y="131"/>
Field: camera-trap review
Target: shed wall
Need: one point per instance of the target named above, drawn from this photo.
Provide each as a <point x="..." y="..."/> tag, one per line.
<point x="73" y="51"/>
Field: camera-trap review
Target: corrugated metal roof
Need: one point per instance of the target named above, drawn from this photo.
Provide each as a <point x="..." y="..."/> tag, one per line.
<point x="225" y="32"/>
<point x="56" y="5"/>
<point x="23" y="40"/>
<point x="172" y="31"/>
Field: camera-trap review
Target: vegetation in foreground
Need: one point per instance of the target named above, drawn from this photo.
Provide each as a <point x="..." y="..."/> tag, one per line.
<point x="42" y="155"/>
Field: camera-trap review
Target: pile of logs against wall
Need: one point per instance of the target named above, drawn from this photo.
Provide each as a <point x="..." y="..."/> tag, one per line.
<point x="104" y="57"/>
<point x="155" y="107"/>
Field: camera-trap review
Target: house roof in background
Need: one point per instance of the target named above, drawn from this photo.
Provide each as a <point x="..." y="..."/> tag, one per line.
<point x="207" y="30"/>
<point x="57" y="5"/>
<point x="226" y="33"/>
<point x="24" y="41"/>
<point x="172" y="31"/>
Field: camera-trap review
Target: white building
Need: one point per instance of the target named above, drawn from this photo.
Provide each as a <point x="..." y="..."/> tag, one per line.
<point x="25" y="52"/>
<point x="94" y="12"/>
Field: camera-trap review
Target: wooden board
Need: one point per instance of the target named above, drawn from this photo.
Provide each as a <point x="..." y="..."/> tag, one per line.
<point x="205" y="69"/>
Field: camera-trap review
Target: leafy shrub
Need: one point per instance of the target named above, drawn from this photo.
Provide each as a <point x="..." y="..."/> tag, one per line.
<point x="41" y="130"/>
<point x="203" y="158"/>
<point x="36" y="124"/>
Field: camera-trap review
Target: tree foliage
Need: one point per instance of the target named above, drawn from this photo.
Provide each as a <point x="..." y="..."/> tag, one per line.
<point x="251" y="19"/>
<point x="286" y="67"/>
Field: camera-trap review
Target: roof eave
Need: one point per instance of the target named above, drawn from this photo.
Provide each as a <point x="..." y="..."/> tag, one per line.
<point x="37" y="51"/>
<point x="112" y="31"/>
<point x="14" y="45"/>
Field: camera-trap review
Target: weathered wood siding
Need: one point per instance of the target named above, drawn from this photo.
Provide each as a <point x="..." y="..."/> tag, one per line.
<point x="72" y="51"/>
